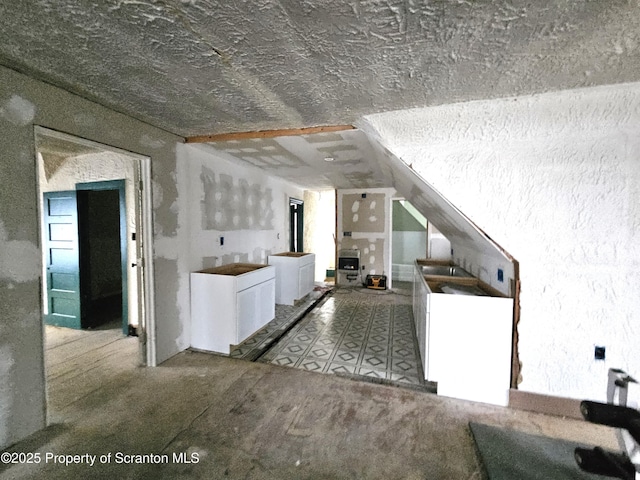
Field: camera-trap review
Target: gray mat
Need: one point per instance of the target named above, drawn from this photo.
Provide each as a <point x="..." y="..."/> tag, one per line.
<point x="511" y="455"/>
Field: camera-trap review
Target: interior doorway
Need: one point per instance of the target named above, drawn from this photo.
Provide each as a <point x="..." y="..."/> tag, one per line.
<point x="103" y="240"/>
<point x="106" y="278"/>
<point x="296" y="225"/>
<point x="409" y="239"/>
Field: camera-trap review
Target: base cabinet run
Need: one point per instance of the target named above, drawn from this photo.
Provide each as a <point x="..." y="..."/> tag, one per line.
<point x="295" y="273"/>
<point x="464" y="340"/>
<point x="229" y="304"/>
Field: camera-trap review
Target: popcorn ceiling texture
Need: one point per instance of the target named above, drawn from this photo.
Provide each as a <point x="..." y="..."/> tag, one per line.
<point x="200" y="67"/>
<point x="555" y="180"/>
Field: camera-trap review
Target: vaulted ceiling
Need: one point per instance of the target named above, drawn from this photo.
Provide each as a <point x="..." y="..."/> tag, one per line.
<point x="197" y="67"/>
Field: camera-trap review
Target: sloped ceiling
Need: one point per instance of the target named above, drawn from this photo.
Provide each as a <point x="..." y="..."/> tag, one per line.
<point x="201" y="67"/>
<point x="196" y="67"/>
<point x="319" y="161"/>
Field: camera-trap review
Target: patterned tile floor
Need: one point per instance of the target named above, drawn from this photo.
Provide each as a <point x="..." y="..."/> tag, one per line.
<point x="286" y="315"/>
<point x="356" y="331"/>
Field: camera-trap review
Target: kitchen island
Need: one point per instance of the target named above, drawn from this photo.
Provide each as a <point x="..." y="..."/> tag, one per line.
<point x="295" y="273"/>
<point x="229" y="304"/>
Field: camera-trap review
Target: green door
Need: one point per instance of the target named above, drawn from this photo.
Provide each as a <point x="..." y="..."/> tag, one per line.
<point x="62" y="259"/>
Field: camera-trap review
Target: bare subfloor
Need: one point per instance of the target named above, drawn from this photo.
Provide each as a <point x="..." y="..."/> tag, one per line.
<point x="240" y="420"/>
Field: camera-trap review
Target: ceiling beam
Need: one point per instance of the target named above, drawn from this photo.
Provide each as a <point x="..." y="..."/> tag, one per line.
<point x="225" y="137"/>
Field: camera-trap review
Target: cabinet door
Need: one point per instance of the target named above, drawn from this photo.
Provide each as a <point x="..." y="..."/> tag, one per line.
<point x="305" y="279"/>
<point x="256" y="308"/>
<point x="248" y="313"/>
<point x="266" y="301"/>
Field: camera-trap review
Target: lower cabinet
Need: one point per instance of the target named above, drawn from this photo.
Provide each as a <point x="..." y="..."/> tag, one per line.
<point x="464" y="340"/>
<point x="295" y="273"/>
<point x="229" y="304"/>
<point x="421" y="320"/>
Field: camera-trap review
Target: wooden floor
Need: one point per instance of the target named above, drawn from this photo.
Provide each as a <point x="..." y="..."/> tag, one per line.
<point x="79" y="362"/>
<point x="245" y="420"/>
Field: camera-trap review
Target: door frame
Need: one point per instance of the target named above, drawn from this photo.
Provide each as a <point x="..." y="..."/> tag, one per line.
<point x="118" y="185"/>
<point x="144" y="232"/>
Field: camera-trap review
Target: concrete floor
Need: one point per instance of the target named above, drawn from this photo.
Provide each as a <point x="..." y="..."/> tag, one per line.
<point x="243" y="420"/>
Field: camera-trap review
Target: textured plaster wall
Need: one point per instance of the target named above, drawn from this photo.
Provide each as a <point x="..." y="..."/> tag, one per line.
<point x="369" y="221"/>
<point x="217" y="193"/>
<point x="555" y="180"/>
<point x="23" y="104"/>
<point x="471" y="247"/>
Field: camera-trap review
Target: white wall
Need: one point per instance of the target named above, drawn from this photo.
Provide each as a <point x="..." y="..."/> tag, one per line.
<point x="407" y="246"/>
<point x="319" y="229"/>
<point x="555" y="180"/>
<point x="222" y="199"/>
<point x="439" y="245"/>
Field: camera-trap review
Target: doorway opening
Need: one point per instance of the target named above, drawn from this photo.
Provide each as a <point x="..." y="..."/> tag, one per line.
<point x="95" y="215"/>
<point x="409" y="239"/>
<point x="102" y="223"/>
<point x="296" y="225"/>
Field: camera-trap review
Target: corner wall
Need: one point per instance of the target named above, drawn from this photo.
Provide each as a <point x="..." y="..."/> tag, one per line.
<point x="24" y="103"/>
<point x="555" y="180"/>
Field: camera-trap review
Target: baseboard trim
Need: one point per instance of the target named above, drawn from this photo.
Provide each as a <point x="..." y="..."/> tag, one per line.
<point x="547" y="404"/>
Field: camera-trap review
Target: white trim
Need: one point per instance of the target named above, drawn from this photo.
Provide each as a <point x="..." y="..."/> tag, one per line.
<point x="147" y="248"/>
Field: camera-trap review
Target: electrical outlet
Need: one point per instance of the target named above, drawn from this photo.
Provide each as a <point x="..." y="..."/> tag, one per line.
<point x="500" y="275"/>
<point x="599" y="353"/>
<point x="221" y="241"/>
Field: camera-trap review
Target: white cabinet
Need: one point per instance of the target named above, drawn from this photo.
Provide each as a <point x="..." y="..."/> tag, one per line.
<point x="229" y="304"/>
<point x="421" y="318"/>
<point x="295" y="272"/>
<point x="465" y="340"/>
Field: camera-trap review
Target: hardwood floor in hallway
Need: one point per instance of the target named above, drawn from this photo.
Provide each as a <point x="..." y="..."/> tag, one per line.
<point x="80" y="362"/>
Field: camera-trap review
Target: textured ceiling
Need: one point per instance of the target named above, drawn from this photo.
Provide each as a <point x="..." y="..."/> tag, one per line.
<point x="197" y="67"/>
